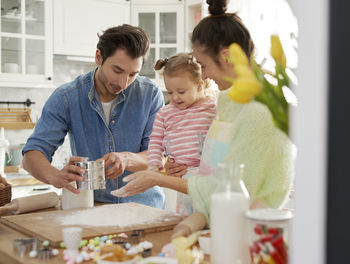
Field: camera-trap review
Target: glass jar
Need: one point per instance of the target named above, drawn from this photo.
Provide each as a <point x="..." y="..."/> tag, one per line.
<point x="268" y="231"/>
<point x="229" y="203"/>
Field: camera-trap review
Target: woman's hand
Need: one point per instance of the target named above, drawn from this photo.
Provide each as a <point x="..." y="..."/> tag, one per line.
<point x="175" y="169"/>
<point x="138" y="182"/>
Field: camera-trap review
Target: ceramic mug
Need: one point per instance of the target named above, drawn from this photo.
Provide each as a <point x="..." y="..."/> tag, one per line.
<point x="16" y="155"/>
<point x="11" y="68"/>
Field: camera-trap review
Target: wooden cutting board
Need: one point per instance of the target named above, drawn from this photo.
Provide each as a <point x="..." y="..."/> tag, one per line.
<point x="96" y="221"/>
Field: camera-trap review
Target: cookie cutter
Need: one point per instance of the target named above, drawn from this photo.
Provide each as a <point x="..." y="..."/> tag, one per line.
<point x="44" y="253"/>
<point x="134" y="238"/>
<point x="146" y="252"/>
<point x="139" y="232"/>
<point x="24" y="245"/>
<point x="119" y="240"/>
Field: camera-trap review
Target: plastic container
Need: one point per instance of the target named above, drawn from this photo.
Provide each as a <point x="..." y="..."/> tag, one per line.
<point x="229" y="203"/>
<point x="268" y="232"/>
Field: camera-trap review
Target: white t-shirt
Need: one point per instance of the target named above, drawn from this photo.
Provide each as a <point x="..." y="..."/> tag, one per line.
<point x="107" y="108"/>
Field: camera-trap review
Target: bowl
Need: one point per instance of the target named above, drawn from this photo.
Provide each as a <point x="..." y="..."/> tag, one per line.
<point x="159" y="260"/>
<point x="101" y="260"/>
<point x="204" y="244"/>
<point x="11" y="68"/>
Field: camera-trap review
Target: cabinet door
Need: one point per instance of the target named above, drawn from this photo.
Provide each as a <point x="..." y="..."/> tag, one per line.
<point x="77" y="22"/>
<point x="26" y="43"/>
<point x="195" y="10"/>
<point x="165" y="27"/>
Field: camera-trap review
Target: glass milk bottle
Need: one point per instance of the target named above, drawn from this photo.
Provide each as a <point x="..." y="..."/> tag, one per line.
<point x="229" y="203"/>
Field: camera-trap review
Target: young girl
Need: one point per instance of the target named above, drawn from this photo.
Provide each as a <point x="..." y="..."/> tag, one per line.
<point x="180" y="127"/>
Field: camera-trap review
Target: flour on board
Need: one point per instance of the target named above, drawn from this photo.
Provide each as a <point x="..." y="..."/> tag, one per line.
<point x="122" y="215"/>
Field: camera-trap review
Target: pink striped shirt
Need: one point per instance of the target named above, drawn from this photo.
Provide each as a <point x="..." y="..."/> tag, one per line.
<point x="180" y="133"/>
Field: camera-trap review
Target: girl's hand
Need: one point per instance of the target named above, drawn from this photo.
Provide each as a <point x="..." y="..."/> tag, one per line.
<point x="138" y="182"/>
<point x="153" y="168"/>
<point x="175" y="169"/>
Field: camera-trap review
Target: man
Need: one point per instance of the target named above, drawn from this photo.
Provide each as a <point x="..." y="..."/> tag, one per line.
<point x="108" y="113"/>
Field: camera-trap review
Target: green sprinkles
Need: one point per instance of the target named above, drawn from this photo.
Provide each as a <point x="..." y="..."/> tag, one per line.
<point x="46" y="243"/>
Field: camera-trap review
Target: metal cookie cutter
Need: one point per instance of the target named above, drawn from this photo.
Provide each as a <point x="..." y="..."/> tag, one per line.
<point x="134" y="238"/>
<point x="44" y="253"/>
<point x="24" y="245"/>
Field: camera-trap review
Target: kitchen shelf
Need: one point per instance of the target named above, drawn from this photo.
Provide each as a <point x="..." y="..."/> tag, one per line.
<point x="16" y="118"/>
<point x="18" y="19"/>
<point x="17" y="125"/>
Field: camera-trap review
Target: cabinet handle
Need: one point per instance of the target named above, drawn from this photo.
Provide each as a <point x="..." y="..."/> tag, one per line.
<point x="49" y="78"/>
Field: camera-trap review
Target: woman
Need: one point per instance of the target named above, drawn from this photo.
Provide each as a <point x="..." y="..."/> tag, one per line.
<point x="241" y="133"/>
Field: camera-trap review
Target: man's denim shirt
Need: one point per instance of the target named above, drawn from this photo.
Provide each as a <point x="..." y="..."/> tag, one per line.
<point x="75" y="108"/>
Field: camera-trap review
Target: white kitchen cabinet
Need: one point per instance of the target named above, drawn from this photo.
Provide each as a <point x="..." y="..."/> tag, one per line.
<point x="77" y="22"/>
<point x="26" y="43"/>
<point x="195" y="10"/>
<point x="164" y="22"/>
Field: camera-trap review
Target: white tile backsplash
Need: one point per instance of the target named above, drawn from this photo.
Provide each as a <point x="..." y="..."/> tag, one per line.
<point x="63" y="71"/>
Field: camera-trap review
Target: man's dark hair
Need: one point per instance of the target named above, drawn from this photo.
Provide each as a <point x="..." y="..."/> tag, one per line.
<point x="134" y="40"/>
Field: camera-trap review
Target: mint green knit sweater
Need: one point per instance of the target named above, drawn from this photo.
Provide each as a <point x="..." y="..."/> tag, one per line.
<point x="245" y="133"/>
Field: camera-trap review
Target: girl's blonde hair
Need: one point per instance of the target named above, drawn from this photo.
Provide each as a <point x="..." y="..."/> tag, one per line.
<point x="181" y="63"/>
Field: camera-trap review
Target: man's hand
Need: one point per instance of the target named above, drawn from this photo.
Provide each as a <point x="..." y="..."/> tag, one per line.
<point x="175" y="169"/>
<point x="115" y="164"/>
<point x="69" y="173"/>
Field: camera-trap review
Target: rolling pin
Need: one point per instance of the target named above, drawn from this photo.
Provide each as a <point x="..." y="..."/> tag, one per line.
<point x="190" y="225"/>
<point x="30" y="203"/>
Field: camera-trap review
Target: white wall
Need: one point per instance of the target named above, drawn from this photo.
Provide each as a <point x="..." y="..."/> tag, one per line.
<point x="309" y="131"/>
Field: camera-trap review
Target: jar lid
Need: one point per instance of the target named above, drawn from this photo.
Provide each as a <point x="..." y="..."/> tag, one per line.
<point x="269" y="214"/>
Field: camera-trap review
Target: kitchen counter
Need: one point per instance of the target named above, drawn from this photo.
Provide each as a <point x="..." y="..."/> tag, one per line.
<point x="23" y="184"/>
<point x="8" y="256"/>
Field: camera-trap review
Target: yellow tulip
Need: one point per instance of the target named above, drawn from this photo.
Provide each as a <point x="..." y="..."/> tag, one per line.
<point x="244" y="71"/>
<point x="239" y="97"/>
<point x="185" y="256"/>
<point x="237" y="55"/>
<point x="252" y="87"/>
<point x="180" y="243"/>
<point x="277" y="51"/>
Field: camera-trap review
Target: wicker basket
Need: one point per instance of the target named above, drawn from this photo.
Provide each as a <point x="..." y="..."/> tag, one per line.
<point x="5" y="192"/>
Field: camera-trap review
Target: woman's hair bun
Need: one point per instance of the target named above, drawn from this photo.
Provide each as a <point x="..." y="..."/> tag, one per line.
<point x="217" y="7"/>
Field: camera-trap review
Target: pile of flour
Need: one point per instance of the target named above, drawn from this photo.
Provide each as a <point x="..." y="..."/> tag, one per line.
<point x="121" y="215"/>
